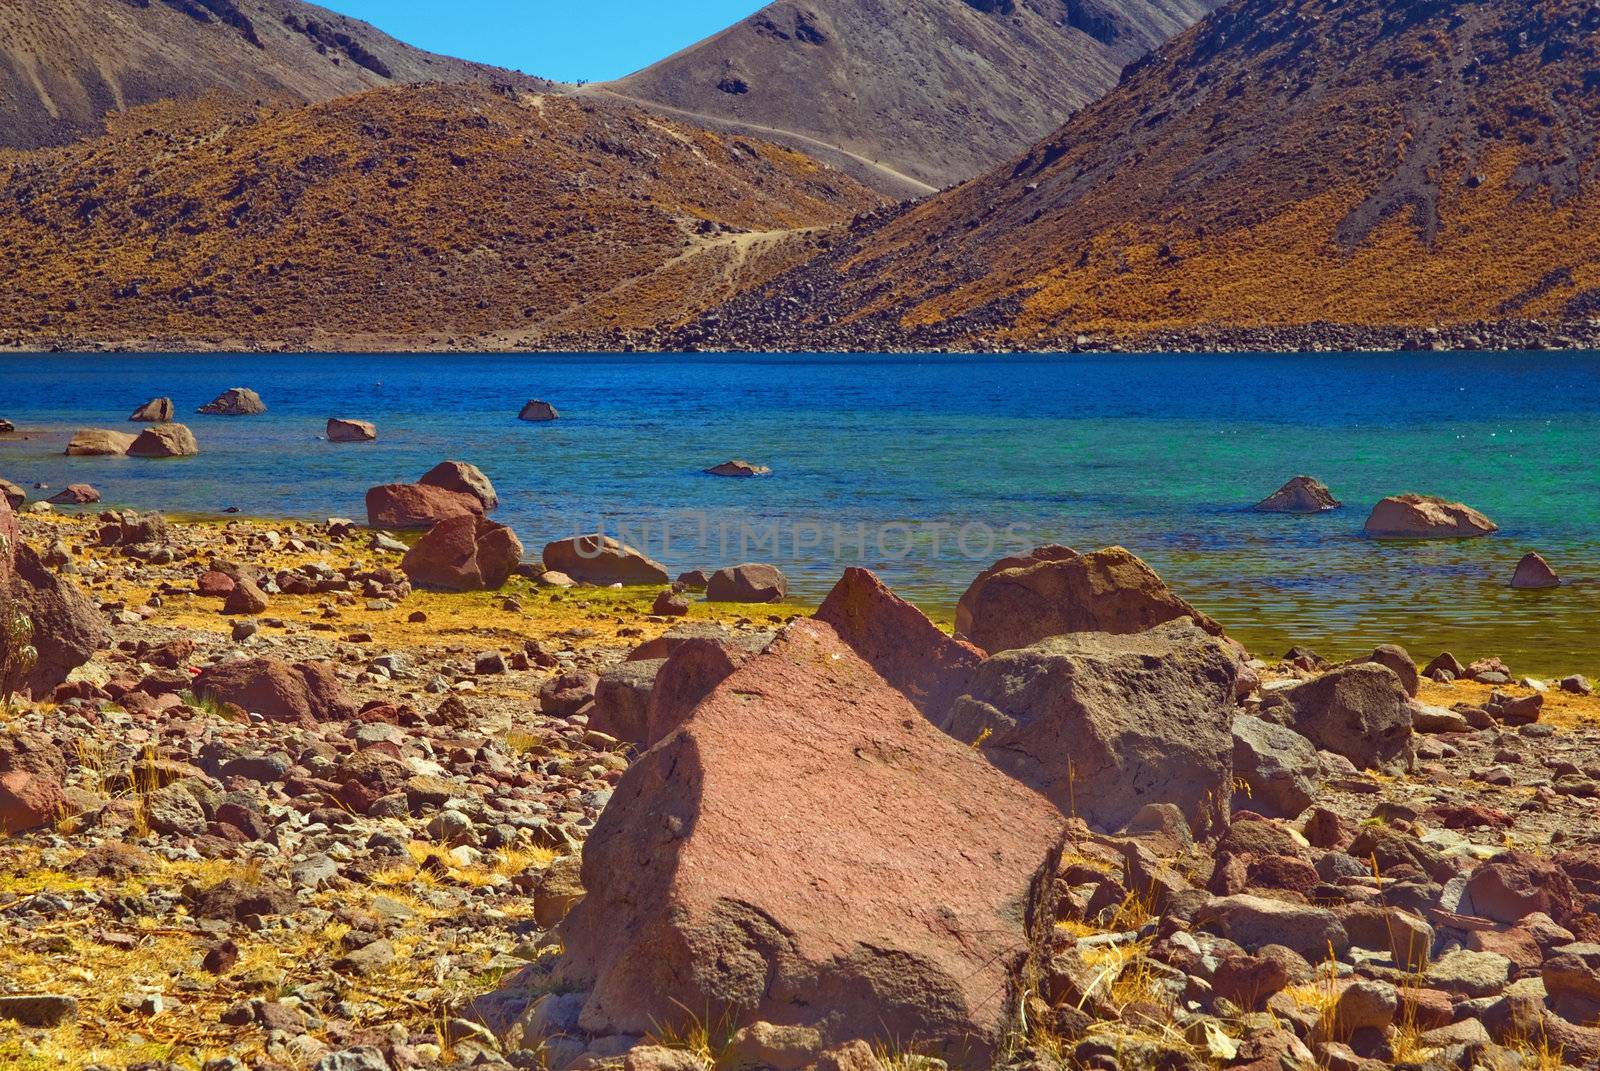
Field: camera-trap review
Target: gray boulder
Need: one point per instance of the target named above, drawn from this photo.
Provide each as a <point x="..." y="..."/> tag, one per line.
<point x="1104" y="724"/>
<point x="1361" y="712"/>
<point x="1275" y="770"/>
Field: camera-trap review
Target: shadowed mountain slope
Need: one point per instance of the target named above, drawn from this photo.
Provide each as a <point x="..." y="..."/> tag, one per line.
<point x="65" y="64"/>
<point x="909" y="96"/>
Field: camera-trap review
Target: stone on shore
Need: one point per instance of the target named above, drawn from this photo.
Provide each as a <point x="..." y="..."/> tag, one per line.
<point x="1361" y="712"/>
<point x="1104" y="725"/>
<point x="1399" y="660"/>
<point x="164" y="440"/>
<point x="599" y="559"/>
<point x="67" y="627"/>
<point x="155" y="411"/>
<point x="97" y="442"/>
<point x="303" y="694"/>
<point x="1053" y="591"/>
<point x="538" y="412"/>
<point x="13" y="494"/>
<point x="738" y="468"/>
<point x="236" y="401"/>
<point x="806" y="849"/>
<point x="897" y="639"/>
<point x="410" y="505"/>
<point x="1426" y="517"/>
<point x="670" y="603"/>
<point x="1303" y="494"/>
<point x="1534" y="573"/>
<point x="1275" y="769"/>
<point x="29" y="800"/>
<point x="751" y="583"/>
<point x="245" y="598"/>
<point x="466" y="553"/>
<point x="351" y="431"/>
<point x="77" y="494"/>
<point x="463" y="478"/>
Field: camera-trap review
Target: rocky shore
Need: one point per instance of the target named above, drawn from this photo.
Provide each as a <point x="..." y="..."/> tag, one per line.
<point x="268" y="804"/>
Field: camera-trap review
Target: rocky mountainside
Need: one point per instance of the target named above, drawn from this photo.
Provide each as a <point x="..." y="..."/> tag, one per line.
<point x="1354" y="162"/>
<point x="407" y="216"/>
<point x="64" y="64"/>
<point x="909" y="97"/>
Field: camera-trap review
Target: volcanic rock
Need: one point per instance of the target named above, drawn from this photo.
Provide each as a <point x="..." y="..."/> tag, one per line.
<point x="1105" y="724"/>
<point x="236" y="401"/>
<point x="807" y="849"/>
<point x="29" y="800"/>
<point x="410" y="505"/>
<point x="1361" y="712"/>
<point x="351" y="431"/>
<point x="1533" y="572"/>
<point x="1054" y="591"/>
<point x="1303" y="494"/>
<point x="1275" y="769"/>
<point x="464" y="478"/>
<point x="538" y="412"/>
<point x="466" y="553"/>
<point x="77" y="494"/>
<point x="304" y="694"/>
<point x="164" y="440"/>
<point x="94" y="442"/>
<point x="1425" y="517"/>
<point x="748" y="583"/>
<point x="67" y="629"/>
<point x="155" y="411"/>
<point x="737" y="469"/>
<point x="599" y="559"/>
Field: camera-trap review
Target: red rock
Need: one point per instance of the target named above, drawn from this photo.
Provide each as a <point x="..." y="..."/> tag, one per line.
<point x="67" y="628"/>
<point x="1533" y="572"/>
<point x="29" y="800"/>
<point x="1429" y="1009"/>
<point x="305" y="693"/>
<point x="567" y="693"/>
<point x="215" y="584"/>
<point x="410" y="505"/>
<point x="808" y="850"/>
<point x="10" y="538"/>
<point x="1426" y="517"/>
<point x="599" y="559"/>
<point x="78" y="494"/>
<point x="164" y="440"/>
<point x="245" y="598"/>
<point x="1517" y="945"/>
<point x="464" y="553"/>
<point x="748" y="583"/>
<point x="670" y="604"/>
<point x="897" y="640"/>
<point x="465" y="478"/>
<point x="1054" y="591"/>
<point x="1517" y="885"/>
<point x="690" y="673"/>
<point x="351" y="431"/>
<point x="1303" y="494"/>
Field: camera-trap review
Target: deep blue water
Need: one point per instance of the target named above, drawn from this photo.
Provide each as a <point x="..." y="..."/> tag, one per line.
<point x="1162" y="454"/>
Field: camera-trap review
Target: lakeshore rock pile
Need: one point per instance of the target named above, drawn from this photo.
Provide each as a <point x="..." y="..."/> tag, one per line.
<point x="548" y="828"/>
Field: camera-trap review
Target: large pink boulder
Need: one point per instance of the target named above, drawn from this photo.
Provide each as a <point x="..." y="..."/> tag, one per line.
<point x="599" y="559"/>
<point x="29" y="800"/>
<point x="1426" y="517"/>
<point x="468" y="479"/>
<point x="898" y="641"/>
<point x="67" y="628"/>
<point x="465" y="553"/>
<point x="808" y="850"/>
<point x="411" y="505"/>
<point x="1053" y="591"/>
<point x="304" y="694"/>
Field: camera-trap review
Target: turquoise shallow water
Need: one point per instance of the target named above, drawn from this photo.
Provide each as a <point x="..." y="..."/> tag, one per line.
<point x="885" y="461"/>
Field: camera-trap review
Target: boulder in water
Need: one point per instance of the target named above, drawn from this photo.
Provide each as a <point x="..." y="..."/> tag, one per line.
<point x="351" y="431"/>
<point x="1426" y="517"/>
<point x="236" y="401"/>
<point x="410" y="505"/>
<point x="1533" y="573"/>
<point x="7" y="428"/>
<point x="164" y="440"/>
<point x="1303" y="494"/>
<point x="748" y="583"/>
<point x="738" y="468"/>
<point x="465" y="478"/>
<point x="538" y="412"/>
<point x="78" y="494"/>
<point x="599" y="559"/>
<point x="155" y="411"/>
<point x="96" y="442"/>
<point x="466" y="553"/>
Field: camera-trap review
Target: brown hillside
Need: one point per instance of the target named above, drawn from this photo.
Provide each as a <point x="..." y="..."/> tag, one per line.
<point x="65" y="64"/>
<point x="909" y="96"/>
<point x="1286" y="162"/>
<point x="404" y="216"/>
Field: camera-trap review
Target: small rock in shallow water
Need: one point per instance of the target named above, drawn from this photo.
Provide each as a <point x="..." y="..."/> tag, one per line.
<point x="1534" y="573"/>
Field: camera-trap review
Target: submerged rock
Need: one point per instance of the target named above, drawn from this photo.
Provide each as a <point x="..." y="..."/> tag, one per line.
<point x="738" y="468"/>
<point x="155" y="411"/>
<point x="1303" y="494"/>
<point x="77" y="494"/>
<point x="1534" y="573"/>
<point x="351" y="431"/>
<point x="236" y="401"/>
<point x="1426" y="517"/>
<point x="748" y="583"/>
<point x="96" y="442"/>
<point x="808" y="849"/>
<point x="1053" y="591"/>
<point x="538" y="412"/>
<point x="165" y="440"/>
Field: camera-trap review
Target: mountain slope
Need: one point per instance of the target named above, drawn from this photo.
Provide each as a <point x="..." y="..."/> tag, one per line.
<point x="1367" y="162"/>
<point x="404" y="217"/>
<point x="935" y="91"/>
<point x="64" y="64"/>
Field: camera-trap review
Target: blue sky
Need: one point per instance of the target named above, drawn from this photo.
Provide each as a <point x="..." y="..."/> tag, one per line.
<point x="561" y="39"/>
